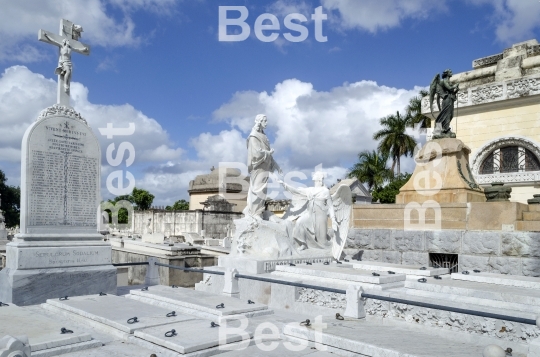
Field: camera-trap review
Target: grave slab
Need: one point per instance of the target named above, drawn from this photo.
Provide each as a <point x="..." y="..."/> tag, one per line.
<point x="115" y="311"/>
<point x="400" y="269"/>
<point x="44" y="333"/>
<point x="341" y="272"/>
<point x="199" y="303"/>
<point x="500" y="279"/>
<point x="191" y="337"/>
<point x="279" y="351"/>
<point x="372" y="339"/>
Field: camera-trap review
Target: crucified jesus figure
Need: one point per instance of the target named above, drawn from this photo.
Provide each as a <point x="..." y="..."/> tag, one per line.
<point x="65" y="67"/>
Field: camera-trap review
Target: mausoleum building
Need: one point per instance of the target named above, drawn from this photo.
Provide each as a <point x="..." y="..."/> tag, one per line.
<point x="497" y="115"/>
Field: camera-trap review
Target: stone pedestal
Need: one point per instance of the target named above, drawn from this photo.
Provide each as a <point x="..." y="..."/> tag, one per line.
<point x="442" y="174"/>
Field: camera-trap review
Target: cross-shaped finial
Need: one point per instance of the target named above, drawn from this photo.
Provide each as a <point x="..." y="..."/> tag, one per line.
<point x="66" y="41"/>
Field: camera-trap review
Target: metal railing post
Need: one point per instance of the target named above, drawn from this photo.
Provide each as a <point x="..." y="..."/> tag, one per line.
<point x="230" y="287"/>
<point x="355" y="303"/>
<point x="152" y="273"/>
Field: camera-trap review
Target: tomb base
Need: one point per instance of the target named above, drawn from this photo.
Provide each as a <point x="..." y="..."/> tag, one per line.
<point x="37" y="271"/>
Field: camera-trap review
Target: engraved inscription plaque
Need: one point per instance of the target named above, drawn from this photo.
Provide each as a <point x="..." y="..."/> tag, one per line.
<point x="47" y="257"/>
<point x="62" y="177"/>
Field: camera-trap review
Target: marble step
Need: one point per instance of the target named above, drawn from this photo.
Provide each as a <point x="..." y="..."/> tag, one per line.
<point x="414" y="270"/>
<point x="492" y="296"/>
<point x="531" y="216"/>
<point x="280" y="351"/>
<point x="197" y="303"/>
<point x="111" y="313"/>
<point x="528" y="226"/>
<point x="341" y="272"/>
<point x="500" y="279"/>
<point x="367" y="338"/>
<point x="44" y="333"/>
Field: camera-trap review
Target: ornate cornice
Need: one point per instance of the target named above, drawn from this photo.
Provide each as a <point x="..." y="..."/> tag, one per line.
<point x="492" y="92"/>
<point x="60" y="110"/>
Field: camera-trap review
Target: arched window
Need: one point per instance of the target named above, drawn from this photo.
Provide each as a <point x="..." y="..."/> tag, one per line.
<point x="509" y="159"/>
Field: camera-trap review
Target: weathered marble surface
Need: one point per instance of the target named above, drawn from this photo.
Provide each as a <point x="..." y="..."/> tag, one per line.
<point x="362" y="337"/>
<point x="43" y="332"/>
<point x="340" y="272"/>
<point x="196" y="300"/>
<point x="34" y="286"/>
<point x="500" y="279"/>
<point x="191" y="336"/>
<point x="115" y="311"/>
<point x="54" y="149"/>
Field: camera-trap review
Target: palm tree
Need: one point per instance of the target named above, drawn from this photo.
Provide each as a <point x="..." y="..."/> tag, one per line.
<point x="371" y="169"/>
<point x="395" y="142"/>
<point x="414" y="112"/>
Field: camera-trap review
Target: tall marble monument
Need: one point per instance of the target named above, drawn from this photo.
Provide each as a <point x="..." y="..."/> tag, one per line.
<point x="59" y="251"/>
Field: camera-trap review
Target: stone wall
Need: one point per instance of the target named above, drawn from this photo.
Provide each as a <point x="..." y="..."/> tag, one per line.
<point x="515" y="253"/>
<point x="176" y="222"/>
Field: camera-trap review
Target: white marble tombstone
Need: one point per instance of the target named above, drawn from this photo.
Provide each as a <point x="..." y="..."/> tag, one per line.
<point x="58" y="251"/>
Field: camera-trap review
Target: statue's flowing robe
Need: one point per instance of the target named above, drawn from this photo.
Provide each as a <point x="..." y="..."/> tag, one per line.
<point x="448" y="93"/>
<point x="309" y="212"/>
<point x="260" y="165"/>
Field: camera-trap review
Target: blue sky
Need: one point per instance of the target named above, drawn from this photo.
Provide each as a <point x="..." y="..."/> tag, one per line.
<point x="159" y="64"/>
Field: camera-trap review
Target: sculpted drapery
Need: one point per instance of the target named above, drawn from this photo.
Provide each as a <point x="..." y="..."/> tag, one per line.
<point x="260" y="165"/>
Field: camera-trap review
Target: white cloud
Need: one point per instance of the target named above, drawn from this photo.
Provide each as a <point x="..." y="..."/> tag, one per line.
<point x="23" y="94"/>
<point x="514" y="20"/>
<point x="283" y="8"/>
<point x="314" y="127"/>
<point x="21" y="20"/>
<point x="376" y="15"/>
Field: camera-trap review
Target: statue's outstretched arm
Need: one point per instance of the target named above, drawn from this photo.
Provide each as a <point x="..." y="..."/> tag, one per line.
<point x="52" y="40"/>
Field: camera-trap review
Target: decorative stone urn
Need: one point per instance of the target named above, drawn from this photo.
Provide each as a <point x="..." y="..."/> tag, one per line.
<point x="497" y="192"/>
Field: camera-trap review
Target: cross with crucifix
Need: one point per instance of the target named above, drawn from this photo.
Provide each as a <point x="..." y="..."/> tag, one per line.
<point x="67" y="41"/>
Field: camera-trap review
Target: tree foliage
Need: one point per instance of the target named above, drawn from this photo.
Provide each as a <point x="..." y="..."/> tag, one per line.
<point x="142" y="199"/>
<point x="180" y="205"/>
<point x="395" y="142"/>
<point x="387" y="194"/>
<point x="414" y="112"/>
<point x="371" y="169"/>
<point x="11" y="202"/>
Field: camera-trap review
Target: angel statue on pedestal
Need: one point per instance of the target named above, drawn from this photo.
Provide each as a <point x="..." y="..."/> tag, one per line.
<point x="309" y="212"/>
<point x="448" y="92"/>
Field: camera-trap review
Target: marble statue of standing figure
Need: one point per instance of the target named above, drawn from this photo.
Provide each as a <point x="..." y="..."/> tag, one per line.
<point x="309" y="211"/>
<point x="260" y="164"/>
<point x="448" y="92"/>
<point x="65" y="67"/>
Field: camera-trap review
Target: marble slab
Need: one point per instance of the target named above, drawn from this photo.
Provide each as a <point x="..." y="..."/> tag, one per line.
<point x="341" y="272"/>
<point x="191" y="336"/>
<point x="372" y="339"/>
<point x="43" y="333"/>
<point x="500" y="279"/>
<point x="400" y="269"/>
<point x="197" y="300"/>
<point x="164" y="249"/>
<point x="261" y="266"/>
<point x="115" y="311"/>
<point x="35" y="286"/>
